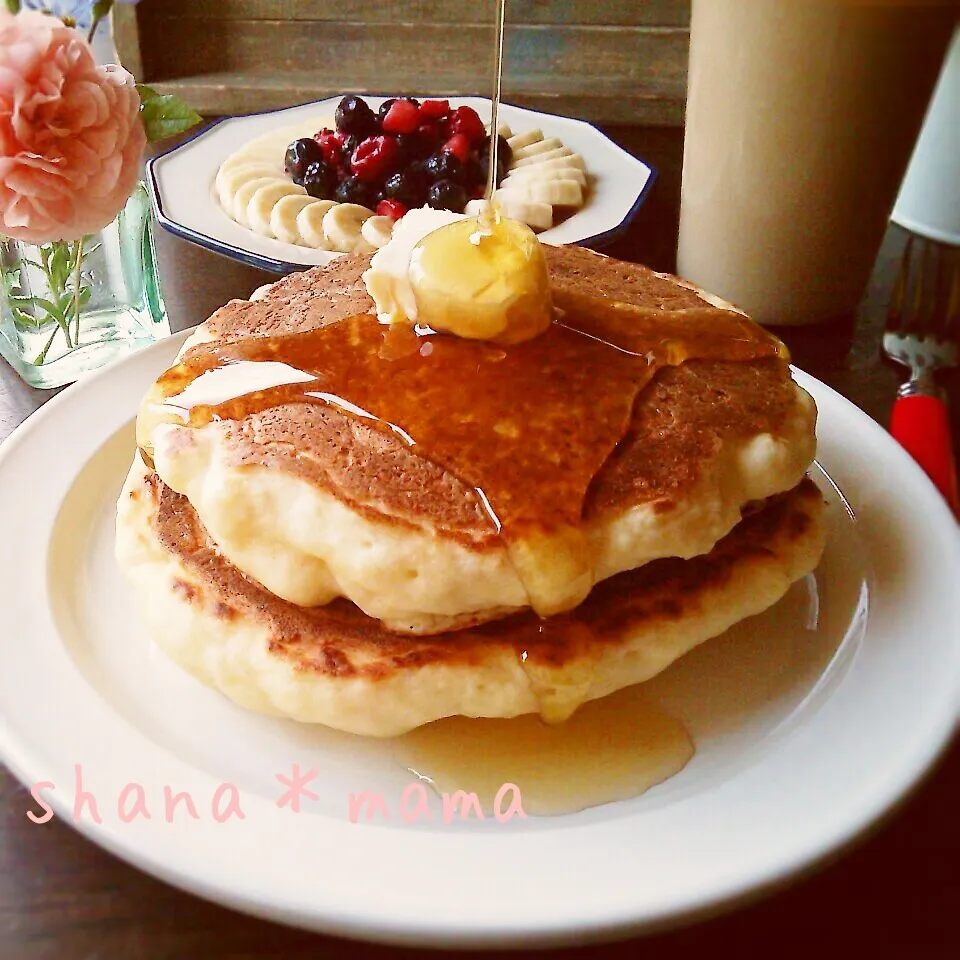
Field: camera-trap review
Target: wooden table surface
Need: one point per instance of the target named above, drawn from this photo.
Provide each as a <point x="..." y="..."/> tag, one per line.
<point x="897" y="890"/>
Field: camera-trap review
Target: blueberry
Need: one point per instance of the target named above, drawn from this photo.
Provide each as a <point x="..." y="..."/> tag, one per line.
<point x="300" y="154"/>
<point x="408" y="186"/>
<point x="504" y="151"/>
<point x="354" y="116"/>
<point x="443" y="166"/>
<point x="484" y="165"/>
<point x="447" y="195"/>
<point x="385" y="108"/>
<point x="474" y="175"/>
<point x="412" y="147"/>
<point x="320" y="180"/>
<point x="354" y="190"/>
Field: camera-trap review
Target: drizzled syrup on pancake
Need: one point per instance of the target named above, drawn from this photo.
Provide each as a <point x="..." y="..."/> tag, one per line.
<point x="528" y="426"/>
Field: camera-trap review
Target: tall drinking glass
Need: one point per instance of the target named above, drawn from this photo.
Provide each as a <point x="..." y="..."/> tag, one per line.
<point x="801" y="117"/>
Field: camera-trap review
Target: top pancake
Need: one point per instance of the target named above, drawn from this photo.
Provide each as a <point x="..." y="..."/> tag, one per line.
<point x="704" y="438"/>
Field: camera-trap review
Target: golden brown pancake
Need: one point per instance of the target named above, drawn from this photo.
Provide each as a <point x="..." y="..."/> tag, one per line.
<point x="336" y="666"/>
<point x="703" y="439"/>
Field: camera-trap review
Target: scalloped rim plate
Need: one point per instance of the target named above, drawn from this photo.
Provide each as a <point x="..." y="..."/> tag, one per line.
<point x="181" y="182"/>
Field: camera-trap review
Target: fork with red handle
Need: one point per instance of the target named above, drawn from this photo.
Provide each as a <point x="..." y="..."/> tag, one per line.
<point x="923" y="328"/>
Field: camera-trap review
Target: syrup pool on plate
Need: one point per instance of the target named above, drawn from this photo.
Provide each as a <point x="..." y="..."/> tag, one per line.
<point x="715" y="709"/>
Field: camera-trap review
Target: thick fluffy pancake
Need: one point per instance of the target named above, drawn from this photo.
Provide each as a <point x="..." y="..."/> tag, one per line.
<point x="336" y="666"/>
<point x="314" y="503"/>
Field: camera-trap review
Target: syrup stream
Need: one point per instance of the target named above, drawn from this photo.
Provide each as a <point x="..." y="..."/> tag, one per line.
<point x="487" y="216"/>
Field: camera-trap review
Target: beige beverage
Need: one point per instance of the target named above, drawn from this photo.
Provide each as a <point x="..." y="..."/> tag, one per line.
<point x="801" y="117"/>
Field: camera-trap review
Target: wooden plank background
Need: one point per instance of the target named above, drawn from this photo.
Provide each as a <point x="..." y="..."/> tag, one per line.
<point x="611" y="62"/>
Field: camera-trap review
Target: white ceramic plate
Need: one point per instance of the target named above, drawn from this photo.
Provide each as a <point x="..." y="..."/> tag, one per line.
<point x="181" y="182"/>
<point x="810" y="721"/>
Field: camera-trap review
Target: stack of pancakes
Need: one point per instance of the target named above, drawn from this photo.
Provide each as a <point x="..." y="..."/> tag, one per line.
<point x="310" y="564"/>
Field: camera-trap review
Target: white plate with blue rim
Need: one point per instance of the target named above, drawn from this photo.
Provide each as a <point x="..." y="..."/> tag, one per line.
<point x="181" y="182"/>
<point x="810" y="722"/>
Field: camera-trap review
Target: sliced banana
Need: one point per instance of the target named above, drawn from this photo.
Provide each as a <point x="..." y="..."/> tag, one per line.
<point x="230" y="180"/>
<point x="573" y="162"/>
<point x="241" y="199"/>
<point x="377" y="231"/>
<point x="520" y="140"/>
<point x="537" y="166"/>
<point x="283" y="217"/>
<point x="558" y="193"/>
<point x="534" y="214"/>
<point x="535" y="149"/>
<point x="342" y="225"/>
<point x="271" y="147"/>
<point x="310" y="224"/>
<point x="260" y="207"/>
<point x="544" y="158"/>
<point x="526" y="174"/>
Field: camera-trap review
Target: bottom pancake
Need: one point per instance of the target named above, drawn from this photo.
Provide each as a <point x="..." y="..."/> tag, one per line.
<point x="335" y="666"/>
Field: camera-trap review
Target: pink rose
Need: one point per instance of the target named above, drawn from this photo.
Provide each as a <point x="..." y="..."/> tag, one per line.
<point x="71" y="141"/>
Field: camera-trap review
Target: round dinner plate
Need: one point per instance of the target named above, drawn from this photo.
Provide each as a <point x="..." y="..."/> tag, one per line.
<point x="809" y="721"/>
<point x="181" y="182"/>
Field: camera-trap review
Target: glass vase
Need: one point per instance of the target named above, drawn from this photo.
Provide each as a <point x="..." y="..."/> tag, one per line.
<point x="67" y="308"/>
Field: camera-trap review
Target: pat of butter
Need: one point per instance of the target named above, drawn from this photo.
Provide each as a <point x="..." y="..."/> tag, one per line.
<point x="388" y="279"/>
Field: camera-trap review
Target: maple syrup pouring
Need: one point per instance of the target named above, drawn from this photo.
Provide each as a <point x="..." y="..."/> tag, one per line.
<point x="487" y="215"/>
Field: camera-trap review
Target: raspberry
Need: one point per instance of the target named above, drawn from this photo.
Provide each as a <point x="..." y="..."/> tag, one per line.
<point x="375" y="159"/>
<point x="402" y="117"/>
<point x="391" y="208"/>
<point x="434" y="110"/>
<point x="459" y="146"/>
<point x="330" y="143"/>
<point x="466" y="121"/>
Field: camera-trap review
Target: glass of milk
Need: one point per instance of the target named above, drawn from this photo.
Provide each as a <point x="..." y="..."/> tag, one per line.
<point x="801" y="118"/>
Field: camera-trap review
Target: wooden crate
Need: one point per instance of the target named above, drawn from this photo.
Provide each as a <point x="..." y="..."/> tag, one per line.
<point x="610" y="61"/>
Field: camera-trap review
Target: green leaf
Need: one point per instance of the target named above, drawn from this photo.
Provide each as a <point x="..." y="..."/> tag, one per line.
<point x="51" y="309"/>
<point x="146" y="93"/>
<point x="101" y="8"/>
<point x="164" y="115"/>
<point x="13" y="5"/>
<point x="59" y="266"/>
<point x="25" y="322"/>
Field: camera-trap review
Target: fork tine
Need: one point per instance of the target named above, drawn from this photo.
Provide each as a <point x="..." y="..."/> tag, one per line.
<point x="952" y="325"/>
<point x="923" y="296"/>
<point x="899" y="293"/>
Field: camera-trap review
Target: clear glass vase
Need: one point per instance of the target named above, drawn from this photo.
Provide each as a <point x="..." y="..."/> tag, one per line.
<point x="69" y="308"/>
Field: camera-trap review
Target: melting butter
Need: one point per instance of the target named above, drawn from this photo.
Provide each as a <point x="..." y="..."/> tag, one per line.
<point x="483" y="278"/>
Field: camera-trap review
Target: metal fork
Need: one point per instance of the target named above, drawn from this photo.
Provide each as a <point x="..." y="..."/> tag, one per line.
<point x="923" y="328"/>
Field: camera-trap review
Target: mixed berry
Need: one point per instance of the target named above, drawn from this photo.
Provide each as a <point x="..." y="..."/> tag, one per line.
<point x="406" y="154"/>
